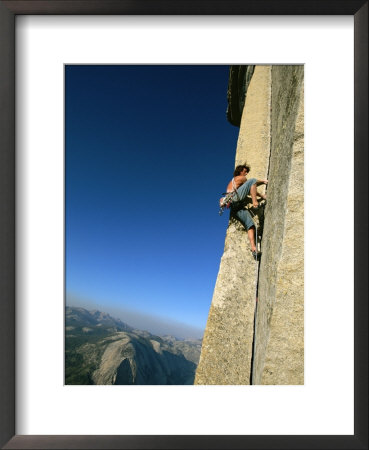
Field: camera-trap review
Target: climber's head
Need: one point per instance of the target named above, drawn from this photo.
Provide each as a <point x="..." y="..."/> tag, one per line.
<point x="239" y="169"/>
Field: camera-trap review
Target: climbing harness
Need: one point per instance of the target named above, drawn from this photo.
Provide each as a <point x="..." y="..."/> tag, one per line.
<point x="226" y="201"/>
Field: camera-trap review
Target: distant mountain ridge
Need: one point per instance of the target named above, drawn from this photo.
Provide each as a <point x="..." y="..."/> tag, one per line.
<point x="76" y="316"/>
<point x="100" y="349"/>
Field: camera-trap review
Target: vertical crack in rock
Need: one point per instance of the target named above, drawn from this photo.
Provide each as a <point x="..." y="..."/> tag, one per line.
<point x="249" y="342"/>
<point x="257" y="281"/>
<point x="255" y="315"/>
<point x="270" y="129"/>
<point x="279" y="341"/>
<point x="228" y="339"/>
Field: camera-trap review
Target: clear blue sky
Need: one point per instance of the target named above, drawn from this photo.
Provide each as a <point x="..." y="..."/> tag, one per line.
<point x="148" y="153"/>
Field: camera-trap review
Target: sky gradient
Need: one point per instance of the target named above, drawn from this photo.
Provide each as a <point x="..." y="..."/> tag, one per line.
<point x="149" y="152"/>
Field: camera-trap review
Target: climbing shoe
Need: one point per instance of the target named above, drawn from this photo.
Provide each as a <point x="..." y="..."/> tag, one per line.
<point x="256" y="255"/>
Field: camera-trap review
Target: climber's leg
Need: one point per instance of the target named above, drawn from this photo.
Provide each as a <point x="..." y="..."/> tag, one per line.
<point x="253" y="193"/>
<point x="245" y="218"/>
<point x="251" y="235"/>
<point x="244" y="190"/>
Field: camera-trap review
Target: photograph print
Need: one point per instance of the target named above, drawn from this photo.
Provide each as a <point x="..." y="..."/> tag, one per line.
<point x="184" y="225"/>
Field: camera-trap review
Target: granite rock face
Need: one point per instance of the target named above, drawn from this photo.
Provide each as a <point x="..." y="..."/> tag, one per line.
<point x="234" y="350"/>
<point x="131" y="359"/>
<point x="279" y="333"/>
<point x="100" y="349"/>
<point x="226" y="351"/>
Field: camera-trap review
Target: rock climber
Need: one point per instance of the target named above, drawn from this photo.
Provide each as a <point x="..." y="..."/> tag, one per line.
<point x="243" y="188"/>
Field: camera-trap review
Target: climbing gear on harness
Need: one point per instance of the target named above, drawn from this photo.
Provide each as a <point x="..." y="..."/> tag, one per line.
<point x="226" y="201"/>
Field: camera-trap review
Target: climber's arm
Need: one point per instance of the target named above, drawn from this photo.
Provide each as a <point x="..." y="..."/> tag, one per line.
<point x="259" y="182"/>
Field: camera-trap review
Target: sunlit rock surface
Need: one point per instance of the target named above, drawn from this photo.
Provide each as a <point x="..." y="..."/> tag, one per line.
<point x="228" y="340"/>
<point x="271" y="141"/>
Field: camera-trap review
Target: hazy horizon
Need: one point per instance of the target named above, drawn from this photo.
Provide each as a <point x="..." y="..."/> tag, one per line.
<point x="154" y="324"/>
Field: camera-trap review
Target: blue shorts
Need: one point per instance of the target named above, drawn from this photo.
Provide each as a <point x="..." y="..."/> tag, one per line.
<point x="237" y="206"/>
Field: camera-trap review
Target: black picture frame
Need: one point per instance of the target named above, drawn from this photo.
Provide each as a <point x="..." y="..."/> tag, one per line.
<point x="8" y="12"/>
